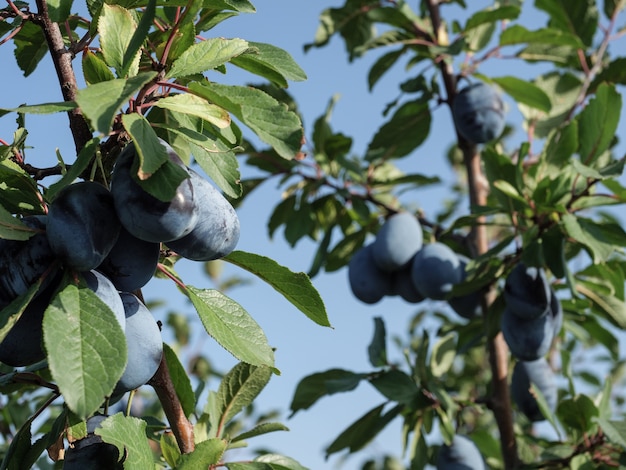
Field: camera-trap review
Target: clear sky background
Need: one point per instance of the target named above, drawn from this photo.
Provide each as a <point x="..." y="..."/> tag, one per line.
<point x="302" y="347"/>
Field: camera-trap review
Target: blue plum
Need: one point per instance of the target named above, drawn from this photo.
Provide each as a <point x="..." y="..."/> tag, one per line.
<point x="461" y="454"/>
<point x="144" y="342"/>
<point x="397" y="241"/>
<point x="107" y="292"/>
<point x="402" y="285"/>
<point x="131" y="263"/>
<point x="368" y="283"/>
<point x="541" y="375"/>
<point x="142" y="214"/>
<point x="91" y="452"/>
<point x="468" y="306"/>
<point x="217" y="232"/>
<point x="435" y="269"/>
<point x="82" y="225"/>
<point x="478" y="112"/>
<point x="527" y="292"/>
<point x="23" y="262"/>
<point x="528" y="340"/>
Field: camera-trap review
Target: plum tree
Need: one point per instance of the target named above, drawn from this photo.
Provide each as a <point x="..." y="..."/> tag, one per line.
<point x="461" y="454"/>
<point x="397" y="241"/>
<point x="106" y="291"/>
<point x="435" y="270"/>
<point x="82" y="225"/>
<point x="145" y="346"/>
<point x="131" y="263"/>
<point x="478" y="112"/>
<point x="540" y="374"/>
<point x="368" y="283"/>
<point x="23" y="262"/>
<point x="217" y="231"/>
<point x="527" y="291"/>
<point x="142" y="214"/>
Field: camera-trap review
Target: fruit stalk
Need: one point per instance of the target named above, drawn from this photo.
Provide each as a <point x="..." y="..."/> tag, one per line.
<point x="181" y="427"/>
<point x="500" y="402"/>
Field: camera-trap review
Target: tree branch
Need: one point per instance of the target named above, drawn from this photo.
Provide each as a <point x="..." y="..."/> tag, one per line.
<point x="62" y="59"/>
<point x="478" y="192"/>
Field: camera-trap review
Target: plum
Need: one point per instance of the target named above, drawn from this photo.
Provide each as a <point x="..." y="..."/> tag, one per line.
<point x="82" y="225"/>
<point x="217" y="231"/>
<point x="461" y="454"/>
<point x="397" y="241"/>
<point x="402" y="285"/>
<point x="368" y="283"/>
<point x="527" y="292"/>
<point x="468" y="306"/>
<point x="528" y="340"/>
<point x="478" y="112"/>
<point x="23" y="344"/>
<point x="145" y="346"/>
<point x="131" y="263"/>
<point x="107" y="292"/>
<point x="142" y="214"/>
<point x="540" y="374"/>
<point x="435" y="269"/>
<point x="91" y="452"/>
<point x="23" y="262"/>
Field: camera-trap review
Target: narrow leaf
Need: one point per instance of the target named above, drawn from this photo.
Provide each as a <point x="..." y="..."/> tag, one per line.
<point x="443" y="354"/>
<point x="315" y="386"/>
<point x="181" y="381"/>
<point x="44" y="108"/>
<point x="132" y="54"/>
<point x="377" y="349"/>
<point x="517" y="34"/>
<point x="82" y="162"/>
<point x="260" y="429"/>
<point x="525" y="92"/>
<point x="295" y="287"/>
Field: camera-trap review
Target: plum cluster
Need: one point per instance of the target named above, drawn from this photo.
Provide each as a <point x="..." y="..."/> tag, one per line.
<point x="478" y="113"/>
<point x="398" y="263"/>
<point x="112" y="241"/>
<point x="461" y="454"/>
<point x="532" y="315"/>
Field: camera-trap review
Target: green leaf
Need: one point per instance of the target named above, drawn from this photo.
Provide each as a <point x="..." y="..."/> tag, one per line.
<point x="578" y="413"/>
<point x="169" y="449"/>
<point x="12" y="228"/>
<point x="506" y="12"/>
<point x="508" y="189"/>
<point x="30" y="47"/>
<point x="562" y="144"/>
<point x="19" y="193"/>
<point x="231" y="326"/>
<point x="609" y="304"/>
<point x="59" y="10"/>
<point x="206" y="55"/>
<point x="237" y="390"/>
<point x="86" y="348"/>
<point x="362" y="431"/>
<point x="17" y="452"/>
<point x="260" y="429"/>
<point x="443" y="354"/>
<point x="313" y="387"/>
<point x="206" y="454"/>
<point x="597" y="123"/>
<point x="270" y="119"/>
<point x="195" y="106"/>
<point x="599" y="238"/>
<point x="132" y="54"/>
<point x="377" y="349"/>
<point x="517" y="34"/>
<point x="270" y="62"/>
<point x="395" y="385"/>
<point x="279" y="462"/>
<point x="44" y="108"/>
<point x="102" y="101"/>
<point x="181" y="381"/>
<point x="404" y="132"/>
<point x="82" y="162"/>
<point x="295" y="287"/>
<point x="116" y="26"/>
<point x="578" y="18"/>
<point x="614" y="430"/>
<point x="152" y="154"/>
<point x="128" y="434"/>
<point x="11" y="313"/>
<point x="613" y="6"/>
<point x="525" y="92"/>
<point x="382" y="66"/>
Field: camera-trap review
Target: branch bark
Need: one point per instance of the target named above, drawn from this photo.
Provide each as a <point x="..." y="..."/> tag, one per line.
<point x="500" y="402"/>
<point x="62" y="59"/>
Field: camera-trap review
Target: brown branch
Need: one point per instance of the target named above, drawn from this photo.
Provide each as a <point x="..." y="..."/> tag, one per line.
<point x="478" y="192"/>
<point x="62" y="59"/>
<point x="181" y="427"/>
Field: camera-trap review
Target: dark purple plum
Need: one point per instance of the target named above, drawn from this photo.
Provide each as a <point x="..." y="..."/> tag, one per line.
<point x="82" y="225"/>
<point x="397" y="241"/>
<point x="368" y="283"/>
<point x="217" y="231"/>
<point x="23" y="262"/>
<point x="541" y="375"/>
<point x="527" y="292"/>
<point x="131" y="263"/>
<point x="402" y="285"/>
<point x="461" y="454"/>
<point x="144" y="342"/>
<point x="468" y="306"/>
<point x="478" y="112"/>
<point x="435" y="269"/>
<point x="528" y="340"/>
<point x="91" y="452"/>
<point x="142" y="214"/>
<point x="107" y="292"/>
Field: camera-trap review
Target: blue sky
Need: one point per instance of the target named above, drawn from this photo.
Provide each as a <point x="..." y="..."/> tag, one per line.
<point x="302" y="347"/>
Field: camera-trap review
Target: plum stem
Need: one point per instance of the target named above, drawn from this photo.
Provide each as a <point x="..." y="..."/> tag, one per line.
<point x="181" y="426"/>
<point x="478" y="239"/>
